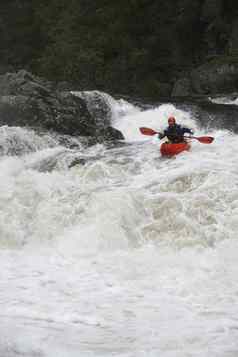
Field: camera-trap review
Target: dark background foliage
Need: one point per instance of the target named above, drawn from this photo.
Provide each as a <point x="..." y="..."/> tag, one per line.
<point x="129" y="46"/>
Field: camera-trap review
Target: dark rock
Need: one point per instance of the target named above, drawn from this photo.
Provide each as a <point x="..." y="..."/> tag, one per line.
<point x="26" y="100"/>
<point x="109" y="134"/>
<point x="217" y="76"/>
<point x="99" y="106"/>
<point x="23" y="83"/>
<point x="16" y="110"/>
<point x="211" y="115"/>
<point x="77" y="161"/>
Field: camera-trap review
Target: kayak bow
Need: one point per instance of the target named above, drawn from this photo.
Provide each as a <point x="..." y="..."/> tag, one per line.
<point x="171" y="149"/>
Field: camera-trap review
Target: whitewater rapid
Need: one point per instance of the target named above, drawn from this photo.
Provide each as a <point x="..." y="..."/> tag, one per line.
<point x="129" y="254"/>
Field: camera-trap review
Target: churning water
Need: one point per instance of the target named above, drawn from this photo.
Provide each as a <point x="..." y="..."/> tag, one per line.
<point x="127" y="255"/>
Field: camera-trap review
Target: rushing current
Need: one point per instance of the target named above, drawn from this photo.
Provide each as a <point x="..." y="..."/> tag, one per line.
<point x="127" y="254"/>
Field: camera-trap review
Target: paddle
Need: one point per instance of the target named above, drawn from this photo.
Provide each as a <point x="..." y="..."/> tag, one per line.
<point x="201" y="139"/>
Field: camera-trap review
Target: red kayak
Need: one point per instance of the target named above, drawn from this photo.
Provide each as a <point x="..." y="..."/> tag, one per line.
<point x="169" y="149"/>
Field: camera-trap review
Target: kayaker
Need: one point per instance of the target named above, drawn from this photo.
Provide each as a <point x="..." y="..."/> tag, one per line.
<point x="175" y="132"/>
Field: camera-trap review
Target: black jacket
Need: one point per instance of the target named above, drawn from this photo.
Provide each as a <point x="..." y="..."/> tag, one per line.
<point x="175" y="133"/>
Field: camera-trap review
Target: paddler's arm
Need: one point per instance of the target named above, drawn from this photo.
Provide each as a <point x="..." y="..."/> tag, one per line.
<point x="187" y="130"/>
<point x="161" y="135"/>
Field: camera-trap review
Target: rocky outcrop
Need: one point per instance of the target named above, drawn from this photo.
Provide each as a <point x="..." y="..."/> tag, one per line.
<point x="26" y="100"/>
<point x="98" y="106"/>
<point x="219" y="75"/>
<point x="215" y="77"/>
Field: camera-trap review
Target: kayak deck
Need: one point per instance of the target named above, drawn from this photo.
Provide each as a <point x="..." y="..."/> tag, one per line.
<point x="171" y="149"/>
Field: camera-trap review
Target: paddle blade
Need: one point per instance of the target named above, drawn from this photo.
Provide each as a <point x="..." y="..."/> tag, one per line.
<point x="148" y="131"/>
<point x="205" y="139"/>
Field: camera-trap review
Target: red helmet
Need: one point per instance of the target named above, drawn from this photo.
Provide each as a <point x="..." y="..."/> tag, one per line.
<point x="171" y="120"/>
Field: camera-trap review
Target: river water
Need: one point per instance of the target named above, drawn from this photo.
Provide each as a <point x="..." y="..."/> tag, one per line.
<point x="128" y="255"/>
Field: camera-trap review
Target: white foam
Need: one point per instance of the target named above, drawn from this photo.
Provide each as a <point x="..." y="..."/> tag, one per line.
<point x="127" y="255"/>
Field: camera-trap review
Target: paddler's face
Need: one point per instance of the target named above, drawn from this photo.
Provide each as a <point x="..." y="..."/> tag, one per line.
<point x="171" y="123"/>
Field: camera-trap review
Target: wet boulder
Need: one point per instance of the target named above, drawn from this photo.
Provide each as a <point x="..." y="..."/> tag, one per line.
<point x="27" y="100"/>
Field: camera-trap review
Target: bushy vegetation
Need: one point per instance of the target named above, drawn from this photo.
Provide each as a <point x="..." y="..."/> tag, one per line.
<point x="126" y="46"/>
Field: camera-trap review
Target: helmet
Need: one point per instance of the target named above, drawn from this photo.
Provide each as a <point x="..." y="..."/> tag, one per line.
<point x="171" y="120"/>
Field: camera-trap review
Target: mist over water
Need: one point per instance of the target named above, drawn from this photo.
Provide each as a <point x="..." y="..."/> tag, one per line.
<point x="129" y="254"/>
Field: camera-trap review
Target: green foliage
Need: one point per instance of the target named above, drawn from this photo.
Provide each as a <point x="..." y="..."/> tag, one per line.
<point x="136" y="46"/>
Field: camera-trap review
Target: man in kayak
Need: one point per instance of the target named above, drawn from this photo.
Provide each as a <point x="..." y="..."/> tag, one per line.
<point x="175" y="132"/>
